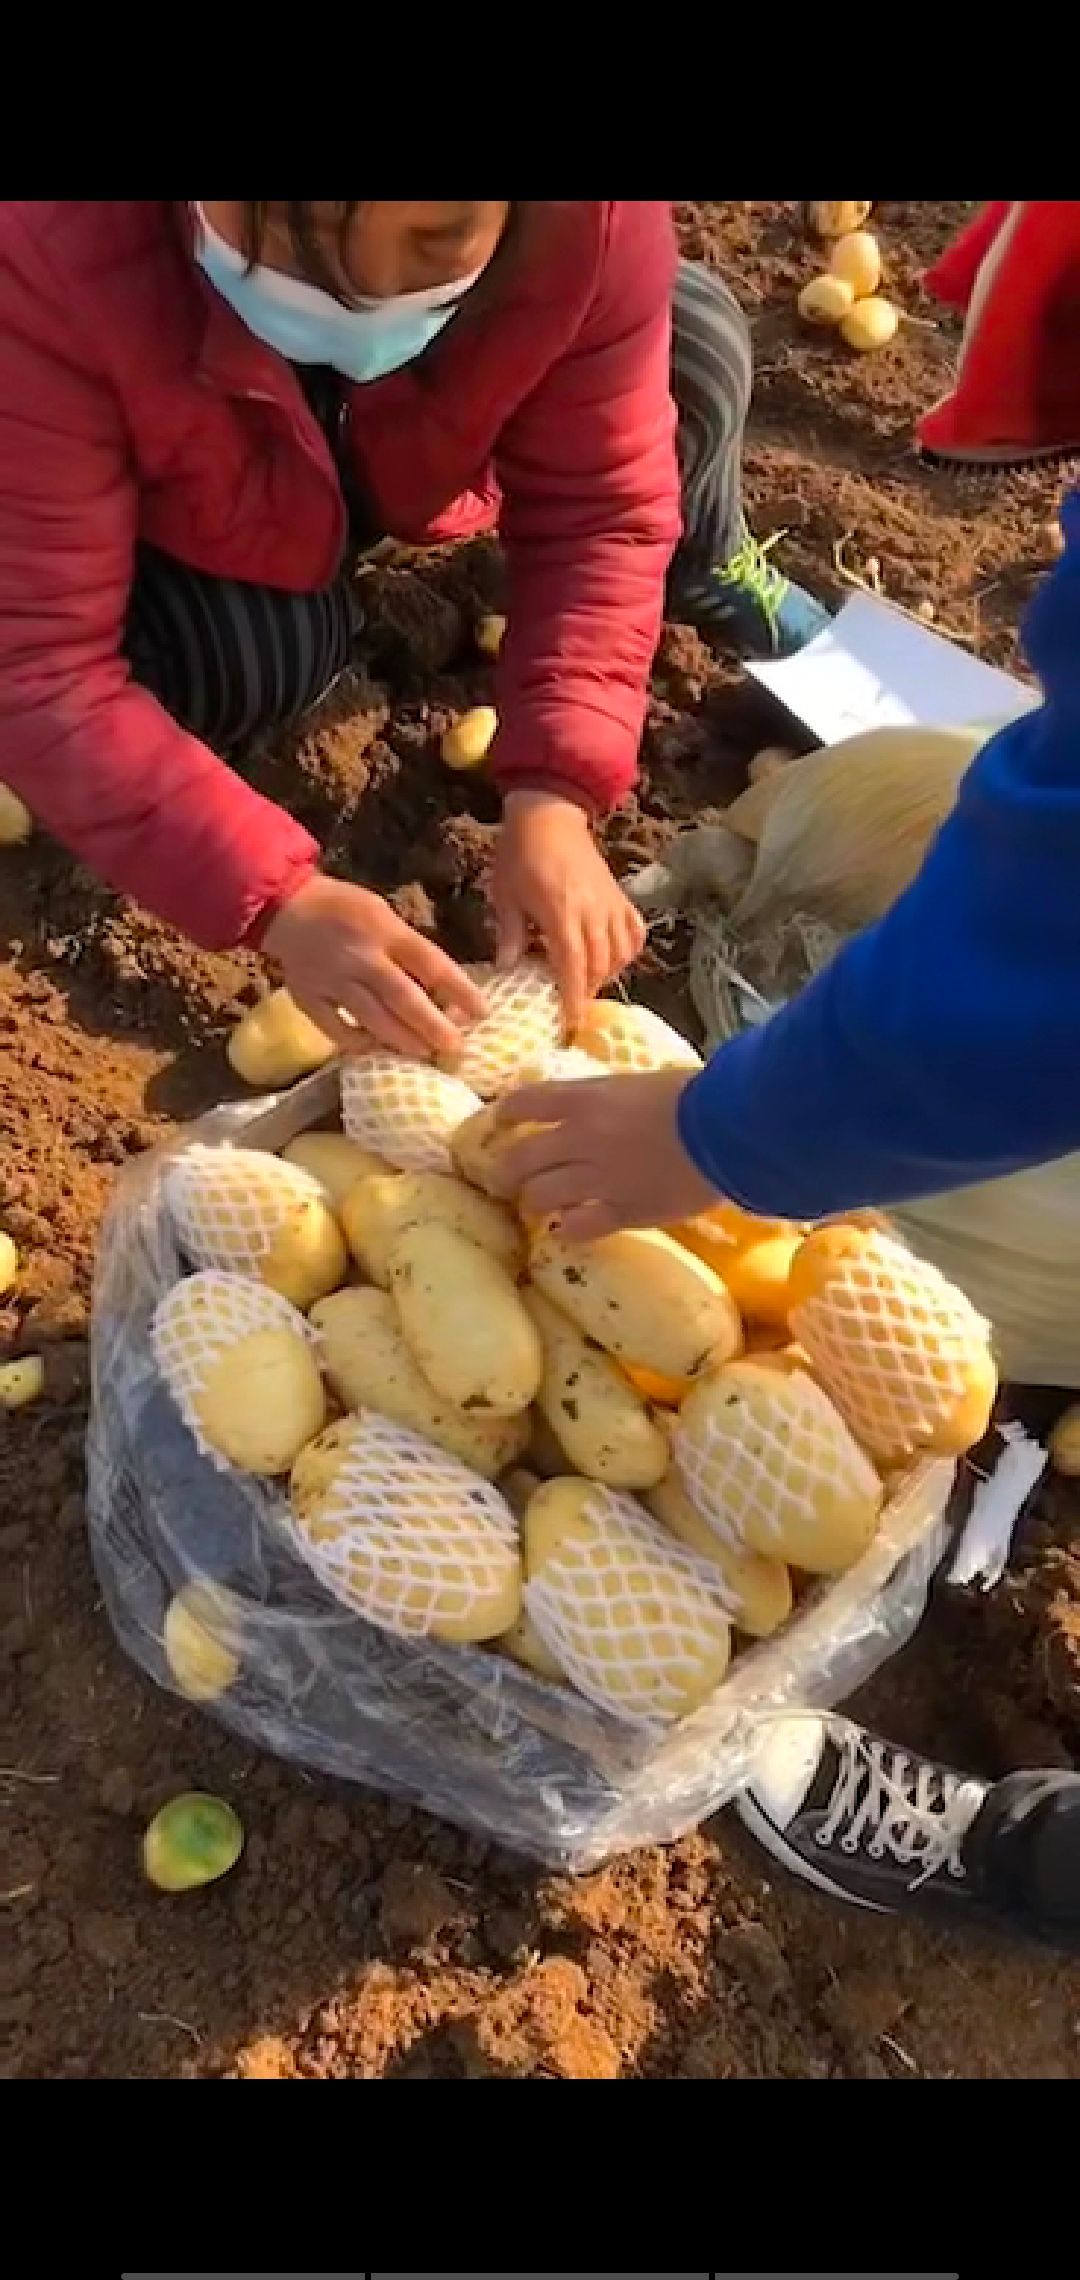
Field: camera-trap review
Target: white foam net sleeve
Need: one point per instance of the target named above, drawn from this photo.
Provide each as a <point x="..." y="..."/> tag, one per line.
<point x="228" y="1204"/>
<point x="629" y="1616"/>
<point x="463" y="1733"/>
<point x="784" y="1455"/>
<point x="631" y="1038"/>
<point x="892" y="1341"/>
<point x="406" y="1535"/>
<point x="404" y="1110"/>
<point x="197" y="1321"/>
<point x="523" y="1023"/>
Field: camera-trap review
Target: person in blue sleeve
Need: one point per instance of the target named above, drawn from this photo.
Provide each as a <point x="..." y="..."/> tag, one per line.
<point x="940" y="1048"/>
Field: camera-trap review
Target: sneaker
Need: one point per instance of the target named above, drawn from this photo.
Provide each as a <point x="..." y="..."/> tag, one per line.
<point x="862" y="1820"/>
<point x="750" y="603"/>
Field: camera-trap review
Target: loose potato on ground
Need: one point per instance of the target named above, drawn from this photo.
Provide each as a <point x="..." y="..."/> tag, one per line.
<point x="638" y="1623"/>
<point x="771" y="1466"/>
<point x="603" y="1426"/>
<point x="369" y="1366"/>
<point x="21" y="1381"/>
<point x="644" y="1299"/>
<point x="759" y="1590"/>
<point x="462" y="1316"/>
<point x="334" y="1160"/>
<point x="404" y="1534"/>
<point x="275" y="1043"/>
<point x="238" y="1362"/>
<point x="9" y="1263"/>
<point x="383" y="1206"/>
<point x="247" y="1212"/>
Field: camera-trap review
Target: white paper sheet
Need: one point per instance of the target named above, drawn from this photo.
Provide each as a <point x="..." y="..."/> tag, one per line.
<point x="875" y="668"/>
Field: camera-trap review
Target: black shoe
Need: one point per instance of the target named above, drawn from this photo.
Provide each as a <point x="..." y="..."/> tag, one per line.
<point x="859" y="1818"/>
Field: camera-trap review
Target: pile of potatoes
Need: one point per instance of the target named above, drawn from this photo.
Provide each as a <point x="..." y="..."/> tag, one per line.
<point x="846" y="294"/>
<point x="605" y="1461"/>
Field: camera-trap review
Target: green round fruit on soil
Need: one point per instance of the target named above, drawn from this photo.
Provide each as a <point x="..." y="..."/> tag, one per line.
<point x="192" y="1840"/>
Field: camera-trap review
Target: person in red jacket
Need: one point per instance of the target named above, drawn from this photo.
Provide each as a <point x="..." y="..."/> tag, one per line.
<point x="207" y="411"/>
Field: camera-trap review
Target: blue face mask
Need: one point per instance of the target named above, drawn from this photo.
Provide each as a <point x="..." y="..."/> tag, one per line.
<point x="308" y="326"/>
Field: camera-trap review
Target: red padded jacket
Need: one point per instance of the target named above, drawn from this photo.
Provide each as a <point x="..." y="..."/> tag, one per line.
<point x="135" y="405"/>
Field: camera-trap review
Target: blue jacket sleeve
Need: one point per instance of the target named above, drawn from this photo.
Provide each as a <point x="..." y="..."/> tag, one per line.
<point x="942" y="1046"/>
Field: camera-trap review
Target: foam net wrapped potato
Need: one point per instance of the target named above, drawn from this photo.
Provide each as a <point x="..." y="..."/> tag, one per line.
<point x="404" y="1111"/>
<point x="522" y="1022"/>
<point x="404" y="1534"/>
<point x="902" y="1352"/>
<point x="624" y="1036"/>
<point x="769" y="1463"/>
<point x="238" y="1362"/>
<point x="246" y="1212"/>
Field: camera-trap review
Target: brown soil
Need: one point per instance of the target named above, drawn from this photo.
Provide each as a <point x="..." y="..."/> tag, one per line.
<point x="357" y="1938"/>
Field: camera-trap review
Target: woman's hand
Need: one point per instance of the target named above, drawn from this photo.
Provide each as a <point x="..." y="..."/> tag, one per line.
<point x="550" y="878"/>
<point x="344" y="953"/>
<point x="609" y="1155"/>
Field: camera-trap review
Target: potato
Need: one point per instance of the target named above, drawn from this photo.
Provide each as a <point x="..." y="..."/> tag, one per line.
<point x="16" y="821"/>
<point x="638" y="1623"/>
<point x="369" y="1366"/>
<point x="404" y="1534"/>
<point x="334" y="1160"/>
<point x="200" y="1640"/>
<point x="768" y="1461"/>
<point x="666" y="1392"/>
<point x="757" y="1277"/>
<point x="857" y="259"/>
<point x="463" y="1318"/>
<point x="275" y="1043"/>
<point x="716" y="1235"/>
<point x="247" y="1212"/>
<point x="403" y="1110"/>
<point x="642" y="1297"/>
<point x="191" y="1841"/>
<point x="825" y="300"/>
<point x="626" y="1036"/>
<point x="239" y="1364"/>
<point x="870" y="324"/>
<point x="523" y="1644"/>
<point x="1064" y="1442"/>
<point x="489" y="634"/>
<point x="9" y="1263"/>
<point x="758" y="1590"/>
<point x="479" y="1142"/>
<point x="467" y="743"/>
<point x="21" y="1381"/>
<point x="603" y="1426"/>
<point x="838" y="219"/>
<point x="383" y="1206"/>
<point x="523" y="1023"/>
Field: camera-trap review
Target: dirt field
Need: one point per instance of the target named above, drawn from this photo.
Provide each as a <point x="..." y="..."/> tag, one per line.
<point x="356" y="1938"/>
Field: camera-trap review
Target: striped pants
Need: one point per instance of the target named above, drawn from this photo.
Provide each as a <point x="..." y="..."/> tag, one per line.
<point x="233" y="662"/>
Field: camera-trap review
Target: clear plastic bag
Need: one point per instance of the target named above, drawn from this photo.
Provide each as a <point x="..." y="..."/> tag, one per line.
<point x="468" y="1735"/>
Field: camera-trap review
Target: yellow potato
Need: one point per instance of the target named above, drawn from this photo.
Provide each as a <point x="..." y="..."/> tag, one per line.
<point x="382" y="1207"/>
<point x="404" y="1534"/>
<point x="644" y="1299"/>
<point x="467" y="743"/>
<point x="626" y="1036"/>
<point x="757" y="1277"/>
<point x="523" y="1023"/>
<point x="490" y="633"/>
<point x="639" y="1624"/>
<point x="603" y="1426"/>
<point x="275" y="1043"/>
<point x="652" y="1386"/>
<point x="825" y="300"/>
<point x="247" y="1212"/>
<point x="838" y="218"/>
<point x="16" y="821"/>
<point x="369" y="1366"/>
<point x="334" y="1160"/>
<point x="200" y="1640"/>
<point x="261" y="1401"/>
<point x="716" y="1235"/>
<point x="870" y="324"/>
<point x="770" y="1464"/>
<point x="462" y="1317"/>
<point x="477" y="1144"/>
<point x="1064" y="1442"/>
<point x="21" y="1381"/>
<point x="9" y="1263"/>
<point x="759" y="1589"/>
<point x="857" y="259"/>
<point x="523" y="1644"/>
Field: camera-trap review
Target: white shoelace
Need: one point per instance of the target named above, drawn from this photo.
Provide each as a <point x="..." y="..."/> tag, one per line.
<point x="897" y="1805"/>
